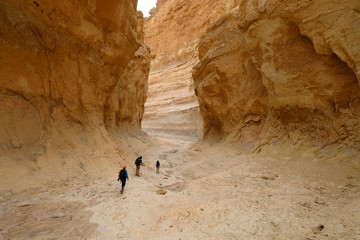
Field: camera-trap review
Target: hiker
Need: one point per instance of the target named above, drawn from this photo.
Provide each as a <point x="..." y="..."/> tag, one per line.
<point x="138" y="163"/>
<point x="123" y="175"/>
<point x="157" y="166"/>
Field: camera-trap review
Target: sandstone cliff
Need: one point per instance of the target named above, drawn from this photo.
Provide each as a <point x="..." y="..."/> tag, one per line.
<point x="282" y="70"/>
<point x="172" y="33"/>
<point x="67" y="69"/>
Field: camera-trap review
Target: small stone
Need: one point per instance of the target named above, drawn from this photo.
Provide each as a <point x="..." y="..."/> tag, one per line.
<point x="350" y="177"/>
<point x="201" y="209"/>
<point x="161" y="191"/>
<point x="269" y="176"/>
<point x="321" y="190"/>
<point x="318" y="228"/>
<point x="25" y="205"/>
<point x="305" y="204"/>
<point x="319" y="201"/>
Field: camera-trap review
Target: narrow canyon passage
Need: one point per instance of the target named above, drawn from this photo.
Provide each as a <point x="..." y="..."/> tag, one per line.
<point x="252" y="108"/>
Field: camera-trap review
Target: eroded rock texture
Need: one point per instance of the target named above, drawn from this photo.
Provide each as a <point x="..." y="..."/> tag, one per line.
<point x="173" y="32"/>
<point x="278" y="70"/>
<point x="68" y="68"/>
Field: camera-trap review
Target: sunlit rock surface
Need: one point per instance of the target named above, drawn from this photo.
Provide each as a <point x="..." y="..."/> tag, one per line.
<point x="67" y="70"/>
<point x="282" y="70"/>
<point x="172" y="33"/>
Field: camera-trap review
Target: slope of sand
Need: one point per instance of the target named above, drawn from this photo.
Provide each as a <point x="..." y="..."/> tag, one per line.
<point x="212" y="193"/>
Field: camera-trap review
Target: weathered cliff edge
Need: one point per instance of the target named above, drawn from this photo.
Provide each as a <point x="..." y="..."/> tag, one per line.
<point x="282" y="71"/>
<point x="173" y="32"/>
<point x="72" y="75"/>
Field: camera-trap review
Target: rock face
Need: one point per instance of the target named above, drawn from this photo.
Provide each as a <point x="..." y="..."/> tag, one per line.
<point x="172" y="106"/>
<point x="172" y="33"/>
<point x="276" y="70"/>
<point x="68" y="66"/>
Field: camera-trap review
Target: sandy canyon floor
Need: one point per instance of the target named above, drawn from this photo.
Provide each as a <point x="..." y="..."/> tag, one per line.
<point x="212" y="193"/>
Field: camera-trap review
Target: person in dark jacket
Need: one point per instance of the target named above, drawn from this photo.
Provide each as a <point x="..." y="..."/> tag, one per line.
<point x="157" y="166"/>
<point x="138" y="163"/>
<point x="123" y="175"/>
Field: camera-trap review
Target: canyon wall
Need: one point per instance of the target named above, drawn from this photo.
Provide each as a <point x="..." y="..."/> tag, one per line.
<point x="173" y="32"/>
<point x="72" y="74"/>
<point x="277" y="71"/>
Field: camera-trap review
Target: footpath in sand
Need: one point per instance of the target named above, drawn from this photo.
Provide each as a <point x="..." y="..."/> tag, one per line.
<point x="212" y="193"/>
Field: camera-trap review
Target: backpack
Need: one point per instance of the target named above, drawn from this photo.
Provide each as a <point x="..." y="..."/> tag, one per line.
<point x="122" y="175"/>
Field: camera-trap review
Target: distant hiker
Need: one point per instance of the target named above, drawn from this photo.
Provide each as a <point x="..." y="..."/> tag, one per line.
<point x="138" y="163"/>
<point x="157" y="166"/>
<point x="123" y="175"/>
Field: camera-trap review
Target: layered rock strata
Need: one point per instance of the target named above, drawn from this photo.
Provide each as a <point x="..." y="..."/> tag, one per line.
<point x="173" y="32"/>
<point x="276" y="70"/>
<point x="67" y="69"/>
<point x="172" y="106"/>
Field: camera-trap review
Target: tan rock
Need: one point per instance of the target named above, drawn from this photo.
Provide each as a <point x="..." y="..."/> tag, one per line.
<point x="173" y="33"/>
<point x="230" y="97"/>
<point x="332" y="26"/>
<point x="60" y="62"/>
<point x="130" y="91"/>
<point x="160" y="3"/>
<point x="299" y="94"/>
<point x="172" y="106"/>
<point x="161" y="191"/>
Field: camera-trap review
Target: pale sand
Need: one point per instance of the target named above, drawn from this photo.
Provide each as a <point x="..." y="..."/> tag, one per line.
<point x="213" y="192"/>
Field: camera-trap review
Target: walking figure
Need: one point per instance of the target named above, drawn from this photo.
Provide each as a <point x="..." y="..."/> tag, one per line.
<point x="138" y="163"/>
<point x="157" y="166"/>
<point x="123" y="175"/>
